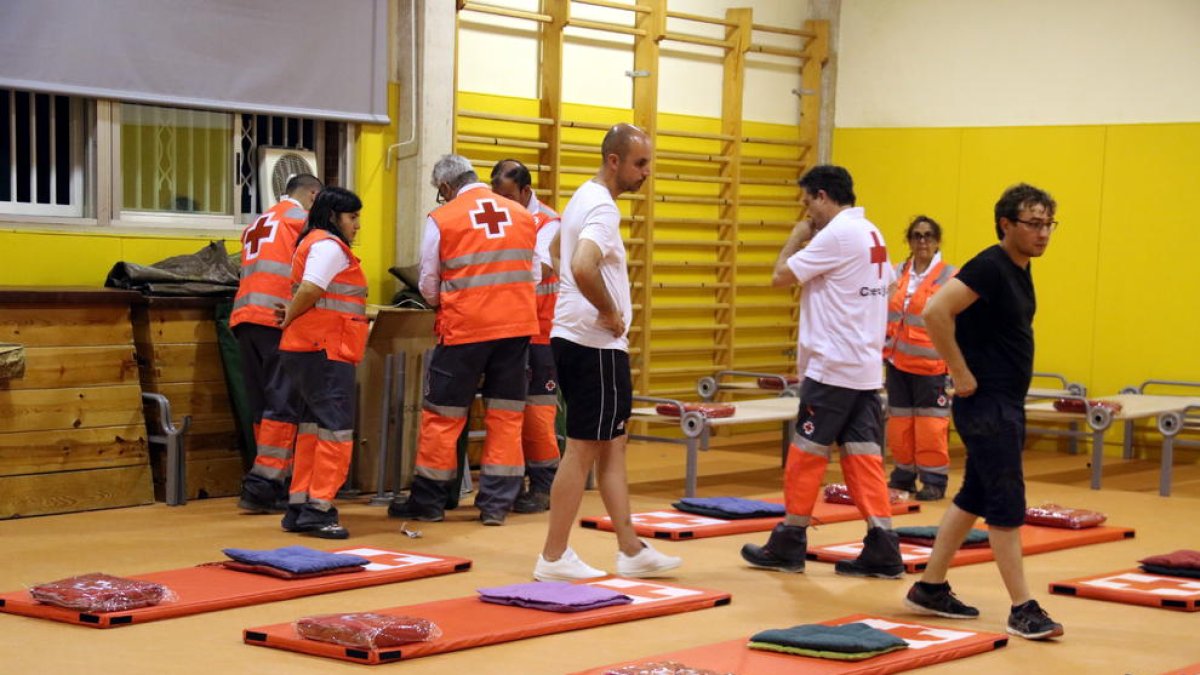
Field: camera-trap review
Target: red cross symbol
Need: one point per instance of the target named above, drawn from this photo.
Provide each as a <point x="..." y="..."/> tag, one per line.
<point x="917" y="633"/>
<point x="646" y="591"/>
<point x="1154" y="585"/>
<point x="262" y="230"/>
<point x="490" y="219"/>
<point x="878" y="253"/>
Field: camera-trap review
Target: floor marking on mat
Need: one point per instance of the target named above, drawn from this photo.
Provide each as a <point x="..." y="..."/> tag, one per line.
<point x="388" y="560"/>
<point x="644" y="592"/>
<point x="908" y="552"/>
<point x="919" y="636"/>
<point x="1154" y="585"/>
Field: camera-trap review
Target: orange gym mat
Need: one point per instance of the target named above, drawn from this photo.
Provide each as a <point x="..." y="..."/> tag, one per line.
<point x="470" y="622"/>
<point x="927" y="645"/>
<point x="1034" y="539"/>
<point x="209" y="588"/>
<point x="673" y="524"/>
<point x="1135" y="587"/>
<point x="1193" y="669"/>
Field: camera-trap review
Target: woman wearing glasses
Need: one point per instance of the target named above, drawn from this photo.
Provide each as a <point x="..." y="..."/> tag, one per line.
<point x="918" y="405"/>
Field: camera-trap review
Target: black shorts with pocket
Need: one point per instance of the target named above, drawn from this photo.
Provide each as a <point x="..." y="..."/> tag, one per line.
<point x="596" y="387"/>
<point x="993" y="429"/>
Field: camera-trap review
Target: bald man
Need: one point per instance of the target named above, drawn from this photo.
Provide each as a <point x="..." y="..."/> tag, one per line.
<point x="591" y="353"/>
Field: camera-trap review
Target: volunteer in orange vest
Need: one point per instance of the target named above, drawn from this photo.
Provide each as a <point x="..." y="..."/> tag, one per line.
<point x="539" y="440"/>
<point x="918" y="423"/>
<point x="266" y="284"/>
<point x="478" y="268"/>
<point x="324" y="338"/>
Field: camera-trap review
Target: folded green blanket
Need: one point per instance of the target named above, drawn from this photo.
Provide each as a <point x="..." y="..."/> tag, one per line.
<point x="924" y="535"/>
<point x="851" y="640"/>
<point x="837" y="656"/>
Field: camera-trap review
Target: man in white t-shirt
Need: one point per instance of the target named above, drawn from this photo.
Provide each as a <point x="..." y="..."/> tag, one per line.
<point x="845" y="273"/>
<point x="591" y="354"/>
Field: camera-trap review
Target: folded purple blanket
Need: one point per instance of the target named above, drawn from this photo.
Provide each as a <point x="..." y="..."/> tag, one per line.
<point x="553" y="596"/>
<point x="295" y="559"/>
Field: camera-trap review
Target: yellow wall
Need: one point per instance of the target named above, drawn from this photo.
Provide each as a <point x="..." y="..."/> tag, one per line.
<point x="1116" y="289"/>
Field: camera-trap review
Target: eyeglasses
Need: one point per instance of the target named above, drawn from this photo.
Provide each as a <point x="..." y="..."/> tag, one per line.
<point x="1035" y="226"/>
<point x="922" y="236"/>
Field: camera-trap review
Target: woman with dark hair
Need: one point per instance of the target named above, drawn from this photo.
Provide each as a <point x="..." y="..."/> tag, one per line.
<point x="324" y="337"/>
<point x="918" y="407"/>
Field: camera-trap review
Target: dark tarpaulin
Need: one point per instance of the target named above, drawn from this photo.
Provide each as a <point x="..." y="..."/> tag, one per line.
<point x="207" y="272"/>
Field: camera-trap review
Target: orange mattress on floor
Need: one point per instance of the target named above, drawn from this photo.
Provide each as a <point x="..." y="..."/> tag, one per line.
<point x="673" y="524"/>
<point x="209" y="588"/>
<point x="927" y="644"/>
<point x="470" y="622"/>
<point x="1034" y="539"/>
<point x="1135" y="587"/>
<point x="1193" y="669"/>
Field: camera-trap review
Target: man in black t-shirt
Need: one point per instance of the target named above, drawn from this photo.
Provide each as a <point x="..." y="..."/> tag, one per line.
<point x="982" y="324"/>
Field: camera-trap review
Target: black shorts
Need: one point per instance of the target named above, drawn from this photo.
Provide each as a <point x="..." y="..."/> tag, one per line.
<point x="830" y="414"/>
<point x="993" y="429"/>
<point x="596" y="387"/>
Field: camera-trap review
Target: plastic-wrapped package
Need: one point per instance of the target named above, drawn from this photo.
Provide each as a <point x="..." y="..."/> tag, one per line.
<point x="661" y="668"/>
<point x="98" y="592"/>
<point x="367" y="630"/>
<point x="1053" y="515"/>
<point x="774" y="383"/>
<point x="838" y="493"/>
<point x="1075" y="405"/>
<point x="706" y="409"/>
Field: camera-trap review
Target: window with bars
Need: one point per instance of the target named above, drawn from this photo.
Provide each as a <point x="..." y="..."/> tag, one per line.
<point x="170" y="167"/>
<point x="41" y="154"/>
<point x="204" y="163"/>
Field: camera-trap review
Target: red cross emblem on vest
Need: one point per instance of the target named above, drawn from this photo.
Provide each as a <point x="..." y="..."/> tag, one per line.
<point x="878" y="253"/>
<point x="490" y="218"/>
<point x="263" y="230"/>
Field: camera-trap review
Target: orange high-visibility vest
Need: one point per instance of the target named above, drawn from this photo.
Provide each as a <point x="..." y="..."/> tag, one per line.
<point x="266" y="278"/>
<point x="547" y="288"/>
<point x="338" y="322"/>
<point x="908" y="346"/>
<point x="486" y="254"/>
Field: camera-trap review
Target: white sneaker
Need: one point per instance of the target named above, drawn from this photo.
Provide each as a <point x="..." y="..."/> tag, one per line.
<point x="568" y="567"/>
<point x="647" y="563"/>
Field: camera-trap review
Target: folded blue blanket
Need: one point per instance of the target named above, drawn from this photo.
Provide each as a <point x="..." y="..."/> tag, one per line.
<point x="553" y="596"/>
<point x="731" y="508"/>
<point x="295" y="559"/>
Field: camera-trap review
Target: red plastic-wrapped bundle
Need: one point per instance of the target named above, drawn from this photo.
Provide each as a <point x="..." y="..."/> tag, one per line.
<point x="838" y="493"/>
<point x="1053" y="515"/>
<point x="98" y="592"/>
<point x="1182" y="559"/>
<point x="775" y="383"/>
<point x="661" y="668"/>
<point x="367" y="630"/>
<point x="1075" y="405"/>
<point x="706" y="409"/>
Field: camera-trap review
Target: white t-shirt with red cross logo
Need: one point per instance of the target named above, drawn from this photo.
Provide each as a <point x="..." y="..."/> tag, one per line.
<point x="845" y="274"/>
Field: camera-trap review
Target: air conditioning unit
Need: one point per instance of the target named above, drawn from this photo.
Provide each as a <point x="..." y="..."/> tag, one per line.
<point x="276" y="166"/>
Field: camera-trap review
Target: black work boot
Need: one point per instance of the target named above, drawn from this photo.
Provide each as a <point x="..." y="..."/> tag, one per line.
<point x="784" y="551"/>
<point x="931" y="493"/>
<point x="902" y="479"/>
<point x="262" y="495"/>
<point x="323" y="524"/>
<point x="880" y="557"/>
<point x="426" y="501"/>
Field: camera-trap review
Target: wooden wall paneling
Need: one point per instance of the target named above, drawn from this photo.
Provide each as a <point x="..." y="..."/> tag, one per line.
<point x="54" y="325"/>
<point x="652" y="25"/>
<point x="68" y="491"/>
<point x="56" y="367"/>
<point x="34" y="452"/>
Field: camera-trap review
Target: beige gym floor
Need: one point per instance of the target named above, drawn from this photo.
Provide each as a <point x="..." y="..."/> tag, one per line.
<point x="1101" y="637"/>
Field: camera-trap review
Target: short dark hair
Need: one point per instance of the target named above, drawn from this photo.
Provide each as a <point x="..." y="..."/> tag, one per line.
<point x="302" y="181"/>
<point x="329" y="203"/>
<point x="834" y="180"/>
<point x="917" y="220"/>
<point x="1021" y="196"/>
<point x="518" y="173"/>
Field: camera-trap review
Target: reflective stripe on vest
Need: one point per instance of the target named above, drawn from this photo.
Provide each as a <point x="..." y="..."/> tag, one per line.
<point x="907" y="344"/>
<point x="337" y="322"/>
<point x="486" y="269"/>
<point x="265" y="276"/>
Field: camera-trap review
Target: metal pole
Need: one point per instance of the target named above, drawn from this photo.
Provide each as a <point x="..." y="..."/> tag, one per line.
<point x="381" y="453"/>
